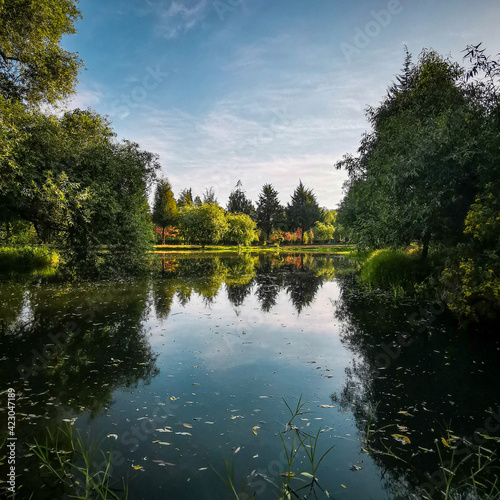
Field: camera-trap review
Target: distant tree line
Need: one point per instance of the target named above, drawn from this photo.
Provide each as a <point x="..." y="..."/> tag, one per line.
<point x="203" y="221"/>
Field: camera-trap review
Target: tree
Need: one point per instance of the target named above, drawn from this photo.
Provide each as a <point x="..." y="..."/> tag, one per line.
<point x="323" y="231"/>
<point x="33" y="66"/>
<point x="269" y="212"/>
<point x="185" y="198"/>
<point x="303" y="211"/>
<point x="238" y="202"/>
<point x="205" y="224"/>
<point x="209" y="196"/>
<point x="414" y="177"/>
<point x="165" y="212"/>
<point x="96" y="188"/>
<point x="241" y="229"/>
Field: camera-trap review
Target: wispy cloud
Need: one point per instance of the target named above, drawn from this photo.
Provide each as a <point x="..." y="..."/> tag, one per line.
<point x="177" y="17"/>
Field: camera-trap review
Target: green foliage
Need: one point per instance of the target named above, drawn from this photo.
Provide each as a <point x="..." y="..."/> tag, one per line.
<point x="205" y="224"/>
<point x="33" y="66"/>
<point x="165" y="211"/>
<point x="303" y="210"/>
<point x="323" y="231"/>
<point x="238" y="202"/>
<point x="185" y="198"/>
<point x="269" y="212"/>
<point x="393" y="268"/>
<point x="277" y="236"/>
<point x="82" y="189"/>
<point x="27" y="258"/>
<point x="472" y="281"/>
<point x="241" y="229"/>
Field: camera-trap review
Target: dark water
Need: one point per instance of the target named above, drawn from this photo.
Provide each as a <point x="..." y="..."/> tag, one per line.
<point x="173" y="374"/>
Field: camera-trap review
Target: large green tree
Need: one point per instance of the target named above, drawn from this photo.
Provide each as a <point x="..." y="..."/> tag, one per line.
<point x="34" y="67"/>
<point x="241" y="229"/>
<point x="205" y="224"/>
<point x="165" y="211"/>
<point x="269" y="212"/>
<point x="82" y="188"/>
<point x="303" y="210"/>
<point x="414" y="177"/>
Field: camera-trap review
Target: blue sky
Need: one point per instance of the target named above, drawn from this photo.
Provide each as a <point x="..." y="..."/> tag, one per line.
<point x="266" y="91"/>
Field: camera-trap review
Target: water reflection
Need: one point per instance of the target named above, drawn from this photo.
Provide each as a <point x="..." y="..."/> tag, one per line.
<point x="414" y="378"/>
<point x="300" y="276"/>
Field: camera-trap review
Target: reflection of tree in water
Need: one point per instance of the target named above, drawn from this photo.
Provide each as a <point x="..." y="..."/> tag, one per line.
<point x="75" y="346"/>
<point x="412" y="375"/>
<point x="299" y="275"/>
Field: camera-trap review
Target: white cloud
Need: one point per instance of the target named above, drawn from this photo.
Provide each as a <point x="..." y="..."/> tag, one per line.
<point x="180" y="16"/>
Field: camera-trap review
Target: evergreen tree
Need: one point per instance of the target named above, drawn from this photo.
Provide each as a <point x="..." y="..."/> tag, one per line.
<point x="238" y="202"/>
<point x="185" y="198"/>
<point x="269" y="212"/>
<point x="303" y="211"/>
<point x="165" y="211"/>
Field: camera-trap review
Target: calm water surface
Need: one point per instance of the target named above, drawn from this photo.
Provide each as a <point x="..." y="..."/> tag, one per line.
<point x="174" y="374"/>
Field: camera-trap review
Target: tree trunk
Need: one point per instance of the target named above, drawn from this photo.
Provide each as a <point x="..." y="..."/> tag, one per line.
<point x="162" y="235"/>
<point x="425" y="248"/>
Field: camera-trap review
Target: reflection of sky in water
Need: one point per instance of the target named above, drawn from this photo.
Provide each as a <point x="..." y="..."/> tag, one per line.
<point x="223" y="371"/>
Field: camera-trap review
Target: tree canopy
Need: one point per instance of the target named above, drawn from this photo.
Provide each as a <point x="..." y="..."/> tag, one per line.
<point x="238" y="202"/>
<point x="34" y="67"/>
<point x="165" y="211"/>
<point x="303" y="210"/>
<point x="269" y="212"/>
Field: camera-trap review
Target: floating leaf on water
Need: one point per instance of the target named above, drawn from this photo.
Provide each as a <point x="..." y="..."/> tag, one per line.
<point x="356" y="467"/>
<point x="401" y="438"/>
<point x="343" y="486"/>
<point x="211" y="423"/>
<point x="256" y="455"/>
<point x="115" y="436"/>
<point x="306" y="474"/>
<point x="254" y="429"/>
<point x="155" y="441"/>
<point x="189" y="426"/>
<point x="405" y="413"/>
<point x="183" y="433"/>
<point x="195" y="383"/>
<point x="137" y="467"/>
<point x="237" y="450"/>
<point x="443" y="440"/>
<point x="288" y="474"/>
<point x="173" y="398"/>
<point x="164" y="443"/>
<point x="326" y="406"/>
<point x="203" y="468"/>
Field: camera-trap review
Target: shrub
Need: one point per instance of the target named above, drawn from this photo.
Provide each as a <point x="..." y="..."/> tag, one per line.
<point x="392" y="268"/>
<point x="27" y="258"/>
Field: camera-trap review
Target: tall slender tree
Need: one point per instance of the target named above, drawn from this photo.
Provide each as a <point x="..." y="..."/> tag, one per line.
<point x="165" y="211"/>
<point x="269" y="212"/>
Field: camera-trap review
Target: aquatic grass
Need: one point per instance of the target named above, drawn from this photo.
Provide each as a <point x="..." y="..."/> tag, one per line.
<point x="27" y="258"/>
<point x="84" y="481"/>
<point x="302" y="445"/>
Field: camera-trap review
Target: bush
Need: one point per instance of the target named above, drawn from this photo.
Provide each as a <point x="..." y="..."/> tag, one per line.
<point x="27" y="258"/>
<point x="393" y="268"/>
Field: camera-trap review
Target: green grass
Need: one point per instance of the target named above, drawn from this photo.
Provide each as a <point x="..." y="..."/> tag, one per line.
<point x="394" y="269"/>
<point x="27" y="258"/>
<point x="319" y="249"/>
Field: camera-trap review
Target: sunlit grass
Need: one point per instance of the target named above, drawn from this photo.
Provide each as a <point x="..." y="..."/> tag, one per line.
<point x="27" y="258"/>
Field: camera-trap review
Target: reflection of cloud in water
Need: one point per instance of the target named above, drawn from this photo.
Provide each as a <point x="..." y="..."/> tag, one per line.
<point x="225" y="339"/>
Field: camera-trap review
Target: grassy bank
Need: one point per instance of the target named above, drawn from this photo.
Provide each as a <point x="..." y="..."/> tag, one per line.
<point x="27" y="258"/>
<point x="317" y="249"/>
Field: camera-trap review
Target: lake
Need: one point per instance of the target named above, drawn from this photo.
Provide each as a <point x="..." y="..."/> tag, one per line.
<point x="172" y="375"/>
